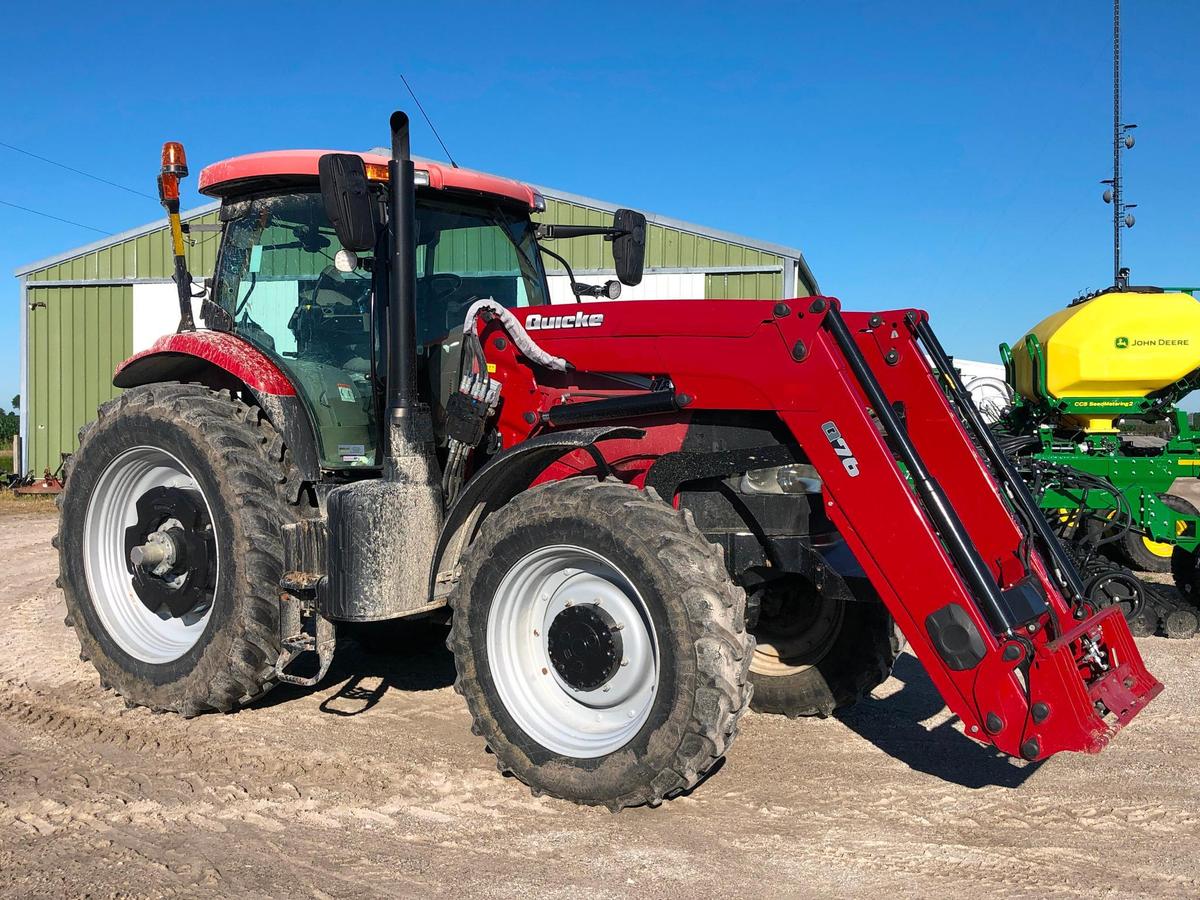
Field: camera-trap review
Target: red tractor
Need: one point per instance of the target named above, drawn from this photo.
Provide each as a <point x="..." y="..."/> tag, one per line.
<point x="642" y="518"/>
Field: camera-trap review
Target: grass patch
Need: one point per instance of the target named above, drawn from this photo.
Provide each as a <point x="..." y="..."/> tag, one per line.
<point x="11" y="504"/>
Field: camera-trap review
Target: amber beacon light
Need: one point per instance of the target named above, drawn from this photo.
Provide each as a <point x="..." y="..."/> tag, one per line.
<point x="174" y="167"/>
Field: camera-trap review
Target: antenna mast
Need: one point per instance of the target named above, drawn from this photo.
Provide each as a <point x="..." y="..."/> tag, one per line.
<point x="1122" y="140"/>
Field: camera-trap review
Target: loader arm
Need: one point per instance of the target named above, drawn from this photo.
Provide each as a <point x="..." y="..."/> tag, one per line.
<point x="1035" y="671"/>
<point x="946" y="533"/>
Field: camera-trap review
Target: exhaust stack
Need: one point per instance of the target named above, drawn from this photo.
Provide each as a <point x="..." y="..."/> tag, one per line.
<point x="382" y="533"/>
<point x="402" y="338"/>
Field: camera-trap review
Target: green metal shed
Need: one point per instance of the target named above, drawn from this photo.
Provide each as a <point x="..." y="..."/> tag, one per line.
<point x="86" y="310"/>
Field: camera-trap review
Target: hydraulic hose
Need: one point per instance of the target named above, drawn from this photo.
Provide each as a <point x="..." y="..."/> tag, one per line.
<point x="517" y="332"/>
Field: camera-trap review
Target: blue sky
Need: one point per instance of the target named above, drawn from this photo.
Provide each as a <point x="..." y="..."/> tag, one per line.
<point x="944" y="155"/>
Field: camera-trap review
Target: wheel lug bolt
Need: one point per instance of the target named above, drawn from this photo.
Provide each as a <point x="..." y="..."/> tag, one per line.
<point x="568" y="603"/>
<point x="536" y="633"/>
<point x="624" y="662"/>
<point x="606" y="688"/>
<point x="545" y="671"/>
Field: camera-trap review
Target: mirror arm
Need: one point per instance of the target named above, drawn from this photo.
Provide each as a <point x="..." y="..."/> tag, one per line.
<point x="549" y="232"/>
<point x="566" y="265"/>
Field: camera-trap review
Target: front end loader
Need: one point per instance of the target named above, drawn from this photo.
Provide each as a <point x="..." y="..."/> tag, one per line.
<point x="384" y="418"/>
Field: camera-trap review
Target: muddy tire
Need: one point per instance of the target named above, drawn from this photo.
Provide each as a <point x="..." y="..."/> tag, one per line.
<point x="817" y="652"/>
<point x="600" y="644"/>
<point x="206" y="476"/>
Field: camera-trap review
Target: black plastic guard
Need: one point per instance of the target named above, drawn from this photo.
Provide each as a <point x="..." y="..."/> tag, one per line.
<point x="955" y="637"/>
<point x="1025" y="600"/>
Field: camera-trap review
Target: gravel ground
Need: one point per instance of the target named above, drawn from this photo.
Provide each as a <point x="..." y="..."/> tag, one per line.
<point x="374" y="786"/>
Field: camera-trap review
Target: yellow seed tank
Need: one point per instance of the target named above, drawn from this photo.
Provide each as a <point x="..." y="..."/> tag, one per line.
<point x="1109" y="350"/>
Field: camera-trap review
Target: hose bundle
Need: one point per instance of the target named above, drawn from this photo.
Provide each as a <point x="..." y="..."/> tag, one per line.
<point x="478" y="393"/>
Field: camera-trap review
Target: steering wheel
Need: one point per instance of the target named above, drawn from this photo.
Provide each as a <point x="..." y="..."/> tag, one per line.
<point x="442" y="285"/>
<point x="329" y="278"/>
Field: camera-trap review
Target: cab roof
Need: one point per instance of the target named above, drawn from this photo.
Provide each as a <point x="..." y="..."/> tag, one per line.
<point x="223" y="178"/>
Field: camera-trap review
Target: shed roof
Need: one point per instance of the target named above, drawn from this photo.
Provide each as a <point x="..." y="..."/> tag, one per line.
<point x="548" y="192"/>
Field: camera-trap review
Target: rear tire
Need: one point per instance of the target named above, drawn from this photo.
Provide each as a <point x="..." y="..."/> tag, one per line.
<point x="199" y="444"/>
<point x="607" y="559"/>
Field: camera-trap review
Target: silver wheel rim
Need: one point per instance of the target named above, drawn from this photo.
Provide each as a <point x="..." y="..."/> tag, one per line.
<point x="781" y="652"/>
<point x="145" y="635"/>
<point x="578" y="723"/>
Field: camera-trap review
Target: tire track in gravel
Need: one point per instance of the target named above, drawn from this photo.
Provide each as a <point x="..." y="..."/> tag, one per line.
<point x="156" y="768"/>
<point x="195" y="782"/>
<point x="285" y="798"/>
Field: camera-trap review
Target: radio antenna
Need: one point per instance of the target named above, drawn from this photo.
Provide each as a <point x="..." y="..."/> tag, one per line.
<point x="428" y="121"/>
<point x="1122" y="140"/>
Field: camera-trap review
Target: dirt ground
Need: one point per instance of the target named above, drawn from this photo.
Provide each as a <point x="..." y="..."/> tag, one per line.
<point x="374" y="786"/>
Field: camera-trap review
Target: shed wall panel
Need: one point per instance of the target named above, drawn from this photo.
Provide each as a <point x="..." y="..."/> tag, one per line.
<point x="743" y="286"/>
<point x="146" y="256"/>
<point x="75" y="342"/>
<point x="667" y="248"/>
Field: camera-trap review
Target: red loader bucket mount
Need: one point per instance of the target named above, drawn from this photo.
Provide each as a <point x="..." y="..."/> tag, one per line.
<point x="989" y="602"/>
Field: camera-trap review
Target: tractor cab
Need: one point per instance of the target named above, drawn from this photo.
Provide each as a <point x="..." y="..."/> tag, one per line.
<point x="286" y="284"/>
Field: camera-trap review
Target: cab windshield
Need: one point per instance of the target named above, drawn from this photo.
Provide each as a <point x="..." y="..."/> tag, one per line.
<point x="277" y="280"/>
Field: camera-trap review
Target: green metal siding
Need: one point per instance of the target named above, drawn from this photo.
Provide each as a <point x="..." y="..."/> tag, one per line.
<point x="746" y="286"/>
<point x="581" y="253"/>
<point x="75" y="342"/>
<point x="668" y="248"/>
<point x="478" y="249"/>
<point x="146" y="256"/>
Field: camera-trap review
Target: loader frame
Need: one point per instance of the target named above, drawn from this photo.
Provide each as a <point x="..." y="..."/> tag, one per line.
<point x="945" y="529"/>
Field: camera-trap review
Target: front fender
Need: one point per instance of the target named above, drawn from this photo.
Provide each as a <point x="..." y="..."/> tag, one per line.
<point x="498" y="482"/>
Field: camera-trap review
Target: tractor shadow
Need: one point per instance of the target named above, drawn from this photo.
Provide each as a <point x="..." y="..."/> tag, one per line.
<point x="893" y="724"/>
<point x="372" y="659"/>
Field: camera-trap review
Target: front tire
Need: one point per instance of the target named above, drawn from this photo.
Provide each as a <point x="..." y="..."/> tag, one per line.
<point x="817" y="650"/>
<point x="203" y="474"/>
<point x="600" y="644"/>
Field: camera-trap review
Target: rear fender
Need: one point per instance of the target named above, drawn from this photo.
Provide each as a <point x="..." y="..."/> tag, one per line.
<point x="499" y="481"/>
<point x="224" y="361"/>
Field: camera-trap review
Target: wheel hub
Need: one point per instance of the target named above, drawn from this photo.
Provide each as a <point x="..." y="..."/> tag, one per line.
<point x="1116" y="588"/>
<point x="170" y="551"/>
<point x="584" y="645"/>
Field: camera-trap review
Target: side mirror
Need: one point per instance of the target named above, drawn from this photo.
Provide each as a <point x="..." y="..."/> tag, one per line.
<point x="629" y="248"/>
<point x="347" y="198"/>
